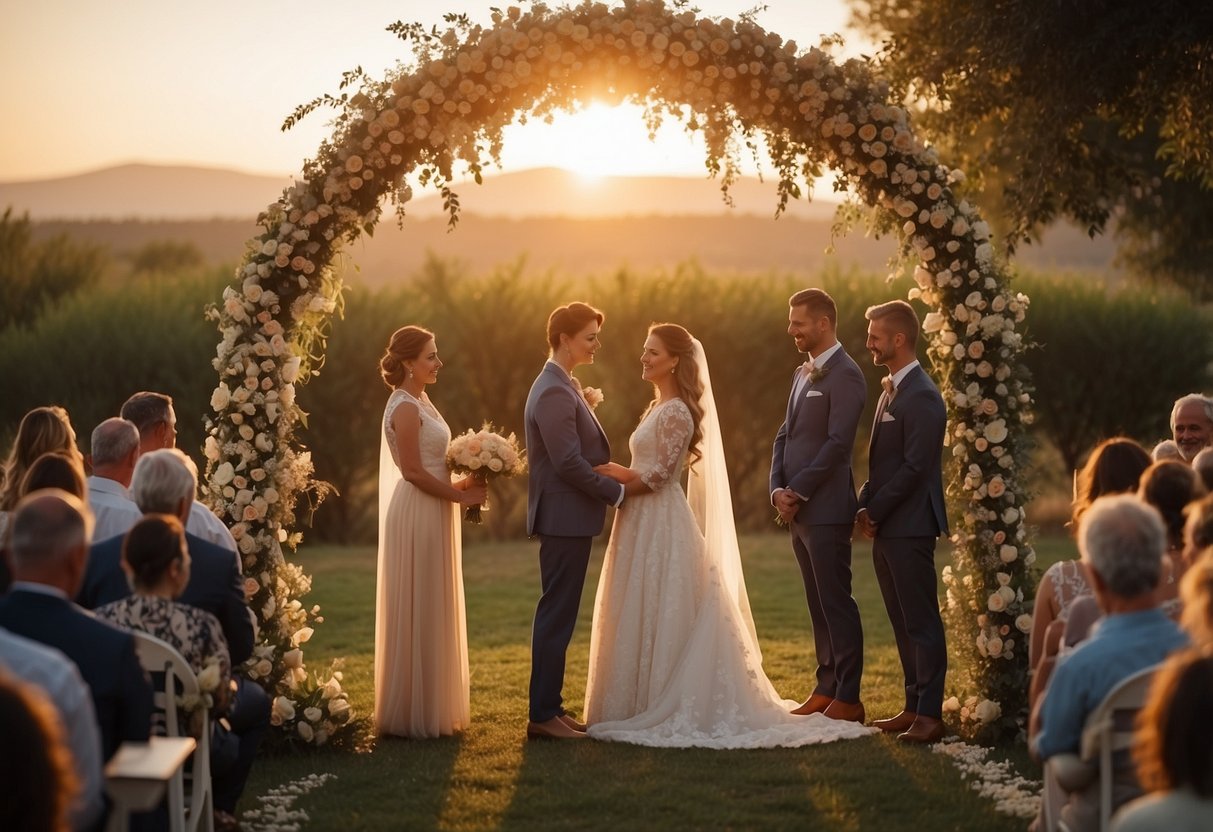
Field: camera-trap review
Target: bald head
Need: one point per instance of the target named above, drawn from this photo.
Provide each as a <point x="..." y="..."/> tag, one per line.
<point x="50" y="535"/>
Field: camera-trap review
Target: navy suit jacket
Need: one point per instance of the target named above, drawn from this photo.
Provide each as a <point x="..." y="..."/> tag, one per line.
<point x="904" y="491"/>
<point x="812" y="453"/>
<point x="565" y="497"/>
<point x="215" y="586"/>
<point x="104" y="654"/>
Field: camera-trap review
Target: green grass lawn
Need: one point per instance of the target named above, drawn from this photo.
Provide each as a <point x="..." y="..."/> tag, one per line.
<point x="491" y="778"/>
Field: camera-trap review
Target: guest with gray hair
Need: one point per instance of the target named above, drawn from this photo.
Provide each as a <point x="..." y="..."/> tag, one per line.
<point x="48" y="551"/>
<point x="1192" y="424"/>
<point x="1202" y="463"/>
<point x="156" y="419"/>
<point x="1122" y="540"/>
<point x="114" y="450"/>
<point x="1164" y="450"/>
<point x="164" y="482"/>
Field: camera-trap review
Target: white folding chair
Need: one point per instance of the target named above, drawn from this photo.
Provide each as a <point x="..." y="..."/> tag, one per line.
<point x="1108" y="729"/>
<point x="195" y="811"/>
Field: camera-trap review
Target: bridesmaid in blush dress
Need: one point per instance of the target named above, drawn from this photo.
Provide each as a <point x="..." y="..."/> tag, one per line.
<point x="421" y="654"/>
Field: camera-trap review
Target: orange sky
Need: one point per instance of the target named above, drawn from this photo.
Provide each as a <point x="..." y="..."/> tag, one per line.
<point x="92" y="84"/>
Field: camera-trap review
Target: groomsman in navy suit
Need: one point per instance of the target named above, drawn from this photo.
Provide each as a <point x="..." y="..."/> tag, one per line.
<point x="813" y="489"/>
<point x="49" y="546"/>
<point x="566" y="506"/>
<point x="902" y="509"/>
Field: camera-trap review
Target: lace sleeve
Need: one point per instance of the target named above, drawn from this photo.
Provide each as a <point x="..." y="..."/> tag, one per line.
<point x="673" y="436"/>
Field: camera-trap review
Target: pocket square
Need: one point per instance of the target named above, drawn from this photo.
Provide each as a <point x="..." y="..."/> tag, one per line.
<point x="887" y="417"/>
<point x="813" y="393"/>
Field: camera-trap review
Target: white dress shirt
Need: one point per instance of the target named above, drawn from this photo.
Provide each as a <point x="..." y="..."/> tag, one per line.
<point x="113" y="509"/>
<point x="57" y="677"/>
<point x="205" y="524"/>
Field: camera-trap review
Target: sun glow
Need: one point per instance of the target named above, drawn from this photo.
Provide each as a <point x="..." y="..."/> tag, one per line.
<point x="603" y="140"/>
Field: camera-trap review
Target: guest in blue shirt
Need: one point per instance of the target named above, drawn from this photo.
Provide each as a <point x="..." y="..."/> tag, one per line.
<point x="1122" y="540"/>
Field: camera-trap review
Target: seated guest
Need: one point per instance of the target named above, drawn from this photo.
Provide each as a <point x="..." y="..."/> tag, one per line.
<point x="42" y="430"/>
<point x="55" y="470"/>
<point x="54" y="675"/>
<point x="1196" y="592"/>
<point x="1202" y="463"/>
<point x="1114" y="467"/>
<point x="164" y="483"/>
<point x="155" y="556"/>
<point x="115" y="449"/>
<point x="1164" y="450"/>
<point x="1174" y="751"/>
<point x="1192" y="424"/>
<point x="1198" y="531"/>
<point x="153" y="414"/>
<point x="48" y="548"/>
<point x="35" y="765"/>
<point x="52" y="470"/>
<point x="1122" y="542"/>
<point x="1170" y="487"/>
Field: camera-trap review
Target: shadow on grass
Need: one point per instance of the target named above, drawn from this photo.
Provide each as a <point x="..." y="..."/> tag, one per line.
<point x="869" y="783"/>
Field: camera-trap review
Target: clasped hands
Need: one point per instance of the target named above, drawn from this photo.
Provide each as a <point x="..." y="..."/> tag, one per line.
<point x="787" y="503"/>
<point x="616" y="472"/>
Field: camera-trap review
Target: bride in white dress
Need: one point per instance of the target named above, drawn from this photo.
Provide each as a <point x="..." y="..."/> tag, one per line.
<point x="674" y="657"/>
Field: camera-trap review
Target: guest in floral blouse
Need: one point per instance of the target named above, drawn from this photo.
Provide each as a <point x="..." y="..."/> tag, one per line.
<point x="157" y="561"/>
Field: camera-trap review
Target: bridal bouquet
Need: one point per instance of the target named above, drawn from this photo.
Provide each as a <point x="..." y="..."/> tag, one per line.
<point x="484" y="454"/>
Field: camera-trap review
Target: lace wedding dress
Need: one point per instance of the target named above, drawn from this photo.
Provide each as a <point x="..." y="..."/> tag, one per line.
<point x="674" y="660"/>
<point x="421" y="652"/>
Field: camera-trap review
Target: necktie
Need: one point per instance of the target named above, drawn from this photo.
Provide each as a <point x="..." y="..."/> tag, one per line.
<point x="889" y="389"/>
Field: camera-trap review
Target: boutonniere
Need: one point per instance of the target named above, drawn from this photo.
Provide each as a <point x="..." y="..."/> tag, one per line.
<point x="817" y="374"/>
<point x="593" y="396"/>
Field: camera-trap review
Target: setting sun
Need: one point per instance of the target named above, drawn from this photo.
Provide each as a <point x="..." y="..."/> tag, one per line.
<point x="602" y="140"/>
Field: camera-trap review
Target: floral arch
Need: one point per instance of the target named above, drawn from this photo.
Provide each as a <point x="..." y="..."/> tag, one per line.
<point x="729" y="79"/>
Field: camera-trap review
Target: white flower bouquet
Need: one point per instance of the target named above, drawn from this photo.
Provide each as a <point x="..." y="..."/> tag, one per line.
<point x="484" y="454"/>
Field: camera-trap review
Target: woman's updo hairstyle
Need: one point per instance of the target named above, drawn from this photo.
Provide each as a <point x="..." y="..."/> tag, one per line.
<point x="405" y="344"/>
<point x="679" y="343"/>
<point x="151" y="546"/>
<point x="569" y="320"/>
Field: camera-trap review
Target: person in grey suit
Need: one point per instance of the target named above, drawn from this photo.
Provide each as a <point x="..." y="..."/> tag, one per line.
<point x="901" y="507"/>
<point x="566" y="506"/>
<point x="813" y="490"/>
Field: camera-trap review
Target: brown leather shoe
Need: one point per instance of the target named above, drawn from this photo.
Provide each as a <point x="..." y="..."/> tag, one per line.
<point x="896" y="724"/>
<point x="846" y="711"/>
<point x="572" y="723"/>
<point x="816" y="703"/>
<point x="552" y="729"/>
<point x="924" y="730"/>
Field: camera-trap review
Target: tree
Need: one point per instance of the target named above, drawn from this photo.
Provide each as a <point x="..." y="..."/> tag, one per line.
<point x="1091" y="111"/>
<point x="35" y="275"/>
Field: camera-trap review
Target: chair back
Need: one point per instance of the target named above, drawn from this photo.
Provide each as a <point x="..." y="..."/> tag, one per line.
<point x="172" y="677"/>
<point x="1109" y="729"/>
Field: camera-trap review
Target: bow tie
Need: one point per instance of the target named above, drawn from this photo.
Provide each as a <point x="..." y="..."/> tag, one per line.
<point x="807" y="367"/>
<point x="889" y="388"/>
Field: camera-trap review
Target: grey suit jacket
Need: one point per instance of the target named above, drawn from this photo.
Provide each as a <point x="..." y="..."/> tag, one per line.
<point x="564" y="442"/>
<point x="812" y="453"/>
<point x="904" y="491"/>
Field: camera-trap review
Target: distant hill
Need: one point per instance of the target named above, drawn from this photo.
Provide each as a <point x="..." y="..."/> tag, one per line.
<point x="138" y="191"/>
<point x="166" y="192"/>
<point x="555" y="219"/>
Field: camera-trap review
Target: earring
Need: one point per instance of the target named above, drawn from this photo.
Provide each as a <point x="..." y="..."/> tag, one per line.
<point x="672" y="370"/>
<point x="410" y="373"/>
